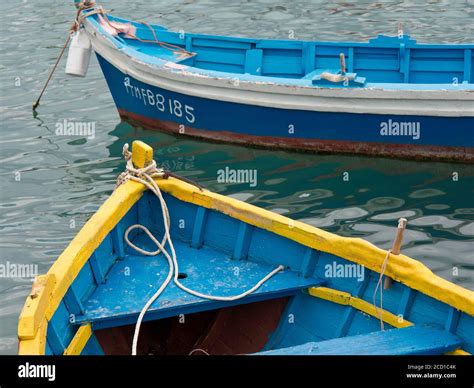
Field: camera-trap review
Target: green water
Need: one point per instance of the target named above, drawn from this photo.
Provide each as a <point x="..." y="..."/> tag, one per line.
<point x="51" y="184"/>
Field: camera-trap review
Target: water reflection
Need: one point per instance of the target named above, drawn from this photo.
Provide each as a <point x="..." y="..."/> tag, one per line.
<point x="64" y="179"/>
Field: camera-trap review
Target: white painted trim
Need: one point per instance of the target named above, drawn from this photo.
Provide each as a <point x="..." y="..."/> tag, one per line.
<point x="439" y="103"/>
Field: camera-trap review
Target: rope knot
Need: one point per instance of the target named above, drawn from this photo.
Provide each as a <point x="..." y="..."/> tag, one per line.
<point x="143" y="175"/>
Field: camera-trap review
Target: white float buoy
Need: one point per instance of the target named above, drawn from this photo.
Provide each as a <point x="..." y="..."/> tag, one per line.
<point x="79" y="54"/>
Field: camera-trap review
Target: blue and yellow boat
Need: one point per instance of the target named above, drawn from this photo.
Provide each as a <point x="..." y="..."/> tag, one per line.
<point x="389" y="96"/>
<point x="249" y="281"/>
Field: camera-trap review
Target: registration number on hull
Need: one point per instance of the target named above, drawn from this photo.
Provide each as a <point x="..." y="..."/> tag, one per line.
<point x="164" y="104"/>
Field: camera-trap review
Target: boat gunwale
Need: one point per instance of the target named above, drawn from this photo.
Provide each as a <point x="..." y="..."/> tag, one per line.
<point x="371" y="42"/>
<point x="442" y="103"/>
<point x="401" y="268"/>
<point x="270" y="84"/>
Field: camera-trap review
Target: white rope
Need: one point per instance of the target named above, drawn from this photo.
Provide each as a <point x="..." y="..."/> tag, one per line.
<point x="378" y="310"/>
<point x="145" y="176"/>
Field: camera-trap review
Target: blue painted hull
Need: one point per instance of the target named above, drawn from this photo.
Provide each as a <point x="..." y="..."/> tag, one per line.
<point x="156" y="108"/>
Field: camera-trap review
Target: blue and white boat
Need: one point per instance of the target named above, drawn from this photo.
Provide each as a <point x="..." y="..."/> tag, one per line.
<point x="390" y="96"/>
<point x="301" y="290"/>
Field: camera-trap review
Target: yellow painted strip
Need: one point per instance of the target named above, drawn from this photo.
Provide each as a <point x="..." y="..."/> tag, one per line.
<point x="458" y="352"/>
<point x="37" y="344"/>
<point x="65" y="269"/>
<point x="331" y="295"/>
<point x="345" y="298"/>
<point x="33" y="312"/>
<point x="79" y="341"/>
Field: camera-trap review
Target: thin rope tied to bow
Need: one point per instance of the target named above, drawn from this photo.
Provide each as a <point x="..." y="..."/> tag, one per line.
<point x="74" y="27"/>
<point x="145" y="176"/>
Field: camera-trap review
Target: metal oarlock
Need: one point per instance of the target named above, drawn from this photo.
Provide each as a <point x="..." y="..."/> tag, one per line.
<point x="402" y="223"/>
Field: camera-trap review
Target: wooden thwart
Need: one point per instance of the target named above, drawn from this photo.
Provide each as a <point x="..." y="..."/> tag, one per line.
<point x="412" y="340"/>
<point x="120" y="299"/>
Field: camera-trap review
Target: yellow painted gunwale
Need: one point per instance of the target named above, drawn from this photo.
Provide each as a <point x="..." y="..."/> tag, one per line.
<point x="65" y="269"/>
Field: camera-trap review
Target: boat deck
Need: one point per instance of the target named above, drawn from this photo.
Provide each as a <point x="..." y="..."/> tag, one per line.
<point x="122" y="294"/>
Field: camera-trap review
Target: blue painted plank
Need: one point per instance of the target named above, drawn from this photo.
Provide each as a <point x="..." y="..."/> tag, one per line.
<point x="54" y="340"/>
<point x="464" y="329"/>
<point x="309" y="57"/>
<point x="408" y="341"/>
<point x="60" y="330"/>
<point x="467" y="65"/>
<point x="218" y="231"/>
<point x="309" y="262"/>
<point x="406" y="302"/>
<point x="199" y="227"/>
<point x="253" y="62"/>
<point x="84" y="283"/>
<point x="117" y="235"/>
<point x="452" y="320"/>
<point x="242" y="243"/>
<point x="209" y="271"/>
<point x="350" y="312"/>
<point x="99" y="276"/>
<point x="92" y="347"/>
<point x="72" y="301"/>
<point x="272" y="249"/>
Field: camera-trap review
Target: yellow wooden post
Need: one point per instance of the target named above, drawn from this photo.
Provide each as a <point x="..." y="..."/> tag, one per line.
<point x="402" y="223"/>
<point x="142" y="154"/>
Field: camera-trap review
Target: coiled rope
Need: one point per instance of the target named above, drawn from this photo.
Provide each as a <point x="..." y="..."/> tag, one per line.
<point x="145" y="176"/>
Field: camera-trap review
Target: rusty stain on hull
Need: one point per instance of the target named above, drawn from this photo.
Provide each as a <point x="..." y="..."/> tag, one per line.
<point x="399" y="151"/>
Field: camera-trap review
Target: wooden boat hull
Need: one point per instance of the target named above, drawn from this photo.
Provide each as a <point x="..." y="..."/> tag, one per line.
<point x="90" y="299"/>
<point x="422" y="120"/>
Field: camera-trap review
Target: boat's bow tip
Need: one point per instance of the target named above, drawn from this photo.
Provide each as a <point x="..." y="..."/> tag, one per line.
<point x="142" y="154"/>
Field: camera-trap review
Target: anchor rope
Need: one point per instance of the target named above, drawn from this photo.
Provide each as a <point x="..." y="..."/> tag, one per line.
<point x="74" y="27"/>
<point x="94" y="10"/>
<point x="145" y="176"/>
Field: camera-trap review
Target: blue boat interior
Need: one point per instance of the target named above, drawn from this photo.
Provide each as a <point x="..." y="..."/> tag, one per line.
<point x="220" y="255"/>
<point x="382" y="60"/>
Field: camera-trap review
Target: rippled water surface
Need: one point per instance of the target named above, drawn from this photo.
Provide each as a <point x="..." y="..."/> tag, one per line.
<point x="51" y="184"/>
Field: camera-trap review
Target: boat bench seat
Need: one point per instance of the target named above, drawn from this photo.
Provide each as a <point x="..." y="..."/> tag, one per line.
<point x="413" y="340"/>
<point x="134" y="279"/>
